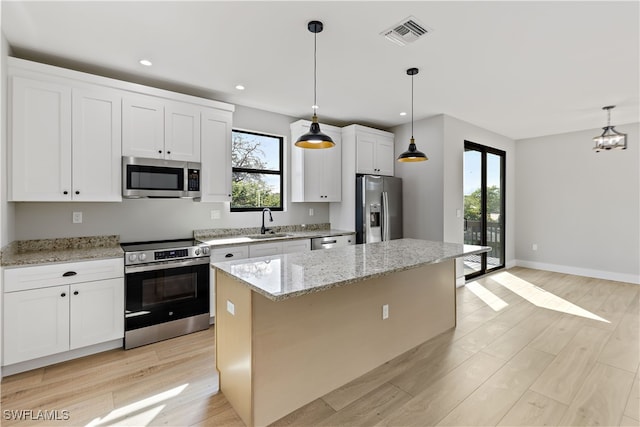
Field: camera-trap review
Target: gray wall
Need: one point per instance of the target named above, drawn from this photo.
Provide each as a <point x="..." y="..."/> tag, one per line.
<point x="136" y="220"/>
<point x="580" y="207"/>
<point x="433" y="190"/>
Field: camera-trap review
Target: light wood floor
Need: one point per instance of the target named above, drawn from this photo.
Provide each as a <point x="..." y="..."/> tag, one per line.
<point x="530" y="348"/>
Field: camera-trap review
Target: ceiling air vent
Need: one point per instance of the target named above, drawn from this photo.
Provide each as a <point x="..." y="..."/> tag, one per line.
<point x="406" y="31"/>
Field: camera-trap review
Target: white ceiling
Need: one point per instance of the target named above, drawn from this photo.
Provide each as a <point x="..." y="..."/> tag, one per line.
<point x="521" y="69"/>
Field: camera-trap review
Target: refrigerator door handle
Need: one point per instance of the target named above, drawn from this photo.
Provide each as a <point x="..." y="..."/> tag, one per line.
<point x="385" y="216"/>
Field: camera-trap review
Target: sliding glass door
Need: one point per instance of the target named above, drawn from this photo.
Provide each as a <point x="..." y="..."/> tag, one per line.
<point x="484" y="201"/>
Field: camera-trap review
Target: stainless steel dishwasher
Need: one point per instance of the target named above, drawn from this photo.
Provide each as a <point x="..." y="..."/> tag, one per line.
<point x="332" y="241"/>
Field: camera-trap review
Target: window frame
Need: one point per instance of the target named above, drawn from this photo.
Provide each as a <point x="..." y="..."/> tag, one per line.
<point x="261" y="172"/>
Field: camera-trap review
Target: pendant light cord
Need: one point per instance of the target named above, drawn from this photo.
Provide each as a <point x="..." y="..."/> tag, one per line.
<point x="412" y="106"/>
<point x="315" y="79"/>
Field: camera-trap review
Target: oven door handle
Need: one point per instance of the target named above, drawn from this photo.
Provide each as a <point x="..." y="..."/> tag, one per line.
<point x="165" y="265"/>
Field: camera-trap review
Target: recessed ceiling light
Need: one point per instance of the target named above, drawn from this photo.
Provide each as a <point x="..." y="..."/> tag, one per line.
<point x="404" y="113"/>
<point x="239" y="87"/>
<point x="146" y="62"/>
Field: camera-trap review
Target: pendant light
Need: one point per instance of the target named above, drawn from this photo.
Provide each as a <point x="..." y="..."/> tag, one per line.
<point x="412" y="154"/>
<point x="315" y="138"/>
<point x="610" y="138"/>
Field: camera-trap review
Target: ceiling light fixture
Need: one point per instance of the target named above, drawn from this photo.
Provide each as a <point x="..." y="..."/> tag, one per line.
<point x="412" y="154"/>
<point x="315" y="138"/>
<point x="610" y="138"/>
<point x="240" y="87"/>
<point x="146" y="62"/>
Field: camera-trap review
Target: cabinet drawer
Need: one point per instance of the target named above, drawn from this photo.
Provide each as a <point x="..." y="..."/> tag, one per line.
<point x="41" y="276"/>
<point x="229" y="253"/>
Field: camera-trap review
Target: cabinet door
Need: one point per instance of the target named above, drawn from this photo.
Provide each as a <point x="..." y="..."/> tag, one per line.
<point x="40" y="141"/>
<point x="316" y="174"/>
<point x="97" y="147"/>
<point x="265" y="249"/>
<point x="36" y="323"/>
<point x="216" y="156"/>
<point x="97" y="312"/>
<point x="182" y="132"/>
<point x="291" y="246"/>
<point x="365" y="148"/>
<point x="332" y="174"/>
<point x="385" y="156"/>
<point x="143" y="127"/>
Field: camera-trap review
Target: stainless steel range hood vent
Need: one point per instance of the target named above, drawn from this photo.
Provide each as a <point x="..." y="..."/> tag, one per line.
<point x="406" y="31"/>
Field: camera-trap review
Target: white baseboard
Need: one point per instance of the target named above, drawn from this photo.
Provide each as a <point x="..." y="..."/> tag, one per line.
<point x="60" y="357"/>
<point x="460" y="282"/>
<point x="578" y="271"/>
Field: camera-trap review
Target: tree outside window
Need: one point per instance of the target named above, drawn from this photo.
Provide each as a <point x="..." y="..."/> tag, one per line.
<point x="257" y="177"/>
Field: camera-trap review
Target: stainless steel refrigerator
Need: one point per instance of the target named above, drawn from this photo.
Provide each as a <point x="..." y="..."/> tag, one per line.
<point x="378" y="208"/>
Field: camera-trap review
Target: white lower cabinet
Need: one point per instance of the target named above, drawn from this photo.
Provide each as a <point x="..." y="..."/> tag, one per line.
<point x="43" y="317"/>
<point x="291" y="246"/>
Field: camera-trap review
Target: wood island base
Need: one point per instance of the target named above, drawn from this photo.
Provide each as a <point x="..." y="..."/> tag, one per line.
<point x="276" y="356"/>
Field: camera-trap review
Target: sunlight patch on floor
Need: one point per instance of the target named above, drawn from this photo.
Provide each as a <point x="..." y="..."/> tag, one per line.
<point x="140" y="413"/>
<point x="541" y="298"/>
<point x="488" y="297"/>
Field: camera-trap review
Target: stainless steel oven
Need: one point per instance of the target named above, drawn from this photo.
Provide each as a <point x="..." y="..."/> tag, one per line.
<point x="166" y="290"/>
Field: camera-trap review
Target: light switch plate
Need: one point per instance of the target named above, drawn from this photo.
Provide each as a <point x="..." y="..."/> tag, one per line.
<point x="77" y="217"/>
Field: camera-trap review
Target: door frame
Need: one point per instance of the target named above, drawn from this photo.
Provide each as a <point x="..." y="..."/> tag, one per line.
<point x="484" y="150"/>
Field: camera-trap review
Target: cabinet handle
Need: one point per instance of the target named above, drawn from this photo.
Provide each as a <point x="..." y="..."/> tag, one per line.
<point x="168" y="152"/>
<point x="159" y="151"/>
<point x="63" y="294"/>
<point x="77" y="192"/>
<point x="69" y="273"/>
<point x="76" y="292"/>
<point x="65" y="192"/>
<point x="228" y="256"/>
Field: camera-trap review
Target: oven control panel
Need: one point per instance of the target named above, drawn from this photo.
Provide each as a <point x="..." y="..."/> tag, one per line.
<point x="150" y="256"/>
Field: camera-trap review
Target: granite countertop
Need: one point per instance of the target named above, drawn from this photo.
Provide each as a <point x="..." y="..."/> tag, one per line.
<point x="46" y="251"/>
<point x="220" y="238"/>
<point x="280" y="277"/>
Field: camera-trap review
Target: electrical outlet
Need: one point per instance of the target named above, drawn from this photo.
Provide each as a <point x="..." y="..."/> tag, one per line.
<point x="215" y="214"/>
<point x="458" y="213"/>
<point x="534" y="247"/>
<point x="310" y="211"/>
<point x="77" y="217"/>
<point x="231" y="308"/>
<point x="385" y="311"/>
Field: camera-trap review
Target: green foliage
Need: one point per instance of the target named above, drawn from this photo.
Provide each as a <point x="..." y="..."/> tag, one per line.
<point x="472" y="203"/>
<point x="252" y="194"/>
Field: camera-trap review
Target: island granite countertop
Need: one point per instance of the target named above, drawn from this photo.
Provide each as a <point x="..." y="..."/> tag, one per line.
<point x="279" y="277"/>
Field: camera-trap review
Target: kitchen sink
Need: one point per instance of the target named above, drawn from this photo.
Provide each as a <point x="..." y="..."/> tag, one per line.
<point x="267" y="236"/>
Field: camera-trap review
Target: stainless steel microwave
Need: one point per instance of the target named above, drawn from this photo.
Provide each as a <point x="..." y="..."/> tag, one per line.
<point x="159" y="178"/>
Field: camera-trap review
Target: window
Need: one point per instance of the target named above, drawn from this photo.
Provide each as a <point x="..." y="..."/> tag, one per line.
<point x="256" y="161"/>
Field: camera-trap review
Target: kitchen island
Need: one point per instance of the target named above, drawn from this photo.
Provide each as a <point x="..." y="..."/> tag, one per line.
<point x="290" y="328"/>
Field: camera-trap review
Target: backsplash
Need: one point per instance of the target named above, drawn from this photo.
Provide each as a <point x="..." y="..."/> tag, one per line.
<point x="224" y="232"/>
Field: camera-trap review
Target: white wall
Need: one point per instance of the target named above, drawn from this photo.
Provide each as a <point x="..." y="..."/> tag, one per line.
<point x="580" y="207"/>
<point x="146" y="219"/>
<point x="6" y="209"/>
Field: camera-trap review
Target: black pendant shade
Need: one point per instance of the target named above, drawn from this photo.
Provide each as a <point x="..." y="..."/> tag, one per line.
<point x="412" y="154"/>
<point x="315" y="138"/>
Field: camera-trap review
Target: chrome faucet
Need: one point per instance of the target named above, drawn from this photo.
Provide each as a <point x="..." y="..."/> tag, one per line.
<point x="263" y="230"/>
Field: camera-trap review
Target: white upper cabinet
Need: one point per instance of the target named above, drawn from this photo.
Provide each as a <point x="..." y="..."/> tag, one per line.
<point x="216" y="155"/>
<point x="156" y="128"/>
<point x="96" y="145"/>
<point x="316" y="174"/>
<point x="182" y="131"/>
<point x="143" y="127"/>
<point x="64" y="143"/>
<point x="69" y="130"/>
<point x="374" y="151"/>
